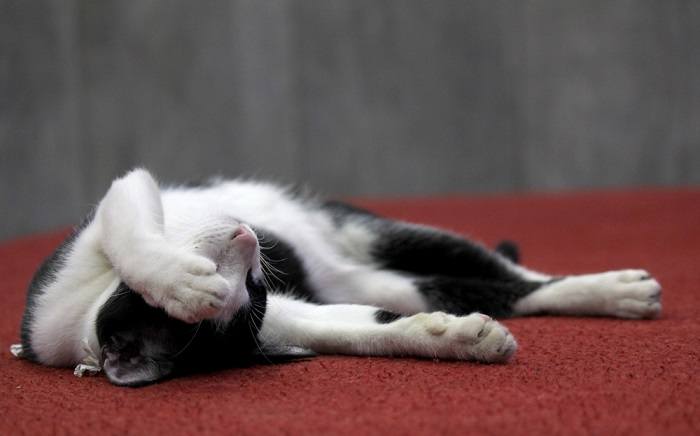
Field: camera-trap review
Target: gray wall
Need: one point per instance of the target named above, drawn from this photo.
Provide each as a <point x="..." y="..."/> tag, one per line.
<point x="353" y="97"/>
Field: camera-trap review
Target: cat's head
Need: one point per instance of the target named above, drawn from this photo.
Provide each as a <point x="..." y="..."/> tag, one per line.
<point x="140" y="343"/>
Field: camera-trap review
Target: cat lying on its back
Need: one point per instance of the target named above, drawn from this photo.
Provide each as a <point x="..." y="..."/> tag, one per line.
<point x="159" y="282"/>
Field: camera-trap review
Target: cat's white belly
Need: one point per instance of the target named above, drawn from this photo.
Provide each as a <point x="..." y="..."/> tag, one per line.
<point x="258" y="204"/>
<point x="309" y="231"/>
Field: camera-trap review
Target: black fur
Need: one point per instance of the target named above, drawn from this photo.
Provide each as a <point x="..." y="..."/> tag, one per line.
<point x="341" y="211"/>
<point x="464" y="296"/>
<point x="424" y="251"/>
<point x="453" y="274"/>
<point x="287" y="272"/>
<point x="142" y="344"/>
<point x="46" y="274"/>
<point x="510" y="250"/>
<point x="385" y="317"/>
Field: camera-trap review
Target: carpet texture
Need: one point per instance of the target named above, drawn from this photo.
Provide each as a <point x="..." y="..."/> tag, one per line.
<point x="570" y="376"/>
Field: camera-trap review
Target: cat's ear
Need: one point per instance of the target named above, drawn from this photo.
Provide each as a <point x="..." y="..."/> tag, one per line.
<point x="281" y="354"/>
<point x="133" y="369"/>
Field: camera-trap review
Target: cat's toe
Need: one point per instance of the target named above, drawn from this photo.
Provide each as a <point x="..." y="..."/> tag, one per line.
<point x="630" y="275"/>
<point x="497" y="344"/>
<point x="213" y="287"/>
<point x="197" y="265"/>
<point x="472" y="329"/>
<point x="195" y="298"/>
<point x="479" y="337"/>
<point x="638" y="309"/>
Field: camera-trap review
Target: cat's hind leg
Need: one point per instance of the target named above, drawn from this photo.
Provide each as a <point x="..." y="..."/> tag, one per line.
<point x="624" y="294"/>
<point x="433" y="269"/>
<point x="630" y="294"/>
<point x="367" y="330"/>
<point x="460" y="276"/>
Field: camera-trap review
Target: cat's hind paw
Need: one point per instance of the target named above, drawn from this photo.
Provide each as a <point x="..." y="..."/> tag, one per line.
<point x="631" y="294"/>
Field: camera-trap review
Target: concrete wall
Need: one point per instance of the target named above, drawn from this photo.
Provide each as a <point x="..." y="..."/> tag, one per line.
<point x="353" y="97"/>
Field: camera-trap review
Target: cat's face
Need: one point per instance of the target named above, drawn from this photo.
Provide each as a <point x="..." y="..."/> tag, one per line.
<point x="141" y="344"/>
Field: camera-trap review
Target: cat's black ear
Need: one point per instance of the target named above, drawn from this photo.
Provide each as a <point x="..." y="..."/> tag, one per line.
<point x="281" y="354"/>
<point x="130" y="366"/>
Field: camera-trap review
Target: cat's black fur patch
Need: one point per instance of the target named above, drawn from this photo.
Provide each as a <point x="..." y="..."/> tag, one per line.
<point x="341" y="211"/>
<point x="454" y="274"/>
<point x="385" y="317"/>
<point x="462" y="296"/>
<point x="425" y="251"/>
<point x="285" y="271"/>
<point x="45" y="275"/>
<point x="142" y="344"/>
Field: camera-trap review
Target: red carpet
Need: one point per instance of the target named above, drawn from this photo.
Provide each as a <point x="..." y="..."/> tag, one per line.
<point x="570" y="376"/>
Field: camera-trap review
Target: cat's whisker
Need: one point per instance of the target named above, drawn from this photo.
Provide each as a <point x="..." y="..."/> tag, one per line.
<point x="381" y="273"/>
<point x="266" y="280"/>
<point x="268" y="272"/>
<point x="274" y="272"/>
<point x="276" y="260"/>
<point x="264" y="246"/>
<point x="255" y="340"/>
<point x="119" y="294"/>
<point x="271" y="270"/>
<point x="274" y="268"/>
<point x="189" y="342"/>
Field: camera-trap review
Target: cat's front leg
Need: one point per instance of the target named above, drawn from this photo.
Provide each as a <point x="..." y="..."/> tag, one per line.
<point x="366" y="330"/>
<point x="182" y="282"/>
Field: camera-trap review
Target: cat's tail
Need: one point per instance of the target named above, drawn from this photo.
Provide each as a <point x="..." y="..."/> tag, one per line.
<point x="510" y="250"/>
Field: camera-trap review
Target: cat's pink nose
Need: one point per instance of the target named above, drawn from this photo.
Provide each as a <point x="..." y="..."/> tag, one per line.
<point x="244" y="234"/>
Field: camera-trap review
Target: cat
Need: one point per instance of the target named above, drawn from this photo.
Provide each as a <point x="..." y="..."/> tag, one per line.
<point x="159" y="282"/>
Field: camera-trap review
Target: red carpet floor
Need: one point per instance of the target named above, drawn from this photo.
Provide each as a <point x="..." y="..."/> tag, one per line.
<point x="570" y="376"/>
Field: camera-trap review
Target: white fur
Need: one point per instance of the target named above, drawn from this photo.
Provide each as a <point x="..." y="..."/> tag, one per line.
<point x="310" y="232"/>
<point x="62" y="312"/>
<point x="355" y="240"/>
<point x="178" y="277"/>
<point x="624" y="294"/>
<point x="351" y="329"/>
<point x="166" y="245"/>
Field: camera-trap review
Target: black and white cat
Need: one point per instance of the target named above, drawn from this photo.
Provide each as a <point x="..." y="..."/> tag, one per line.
<point x="160" y="282"/>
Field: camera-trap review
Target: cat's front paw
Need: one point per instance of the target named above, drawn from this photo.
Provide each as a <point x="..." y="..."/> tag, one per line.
<point x="484" y="339"/>
<point x="186" y="285"/>
<point x="472" y="337"/>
